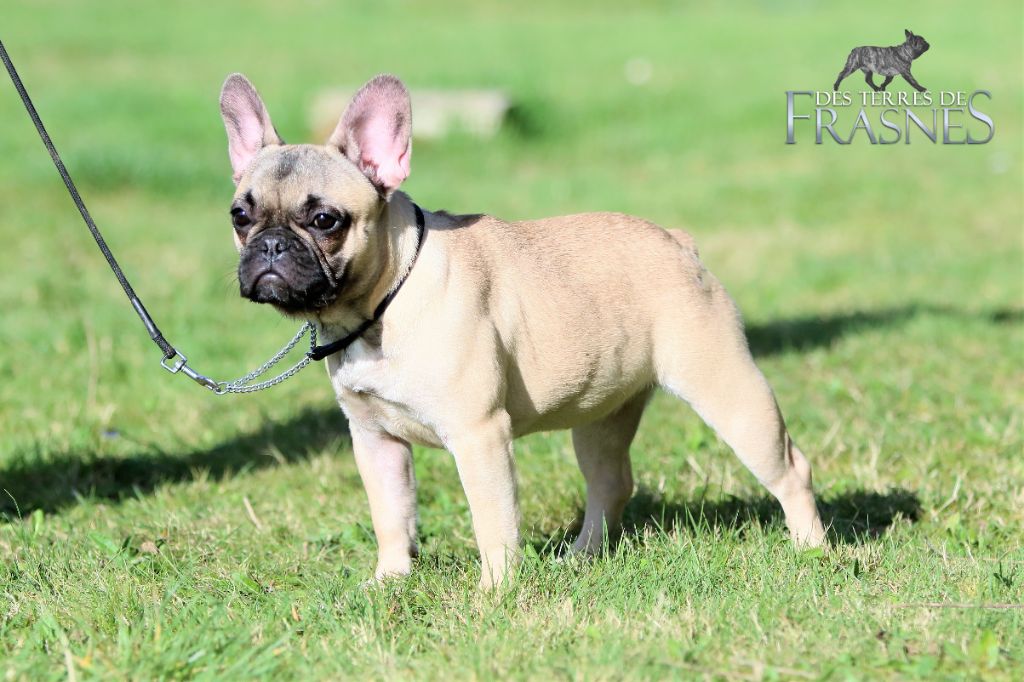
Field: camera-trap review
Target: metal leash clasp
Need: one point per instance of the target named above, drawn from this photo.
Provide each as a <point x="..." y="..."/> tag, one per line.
<point x="180" y="364"/>
<point x="202" y="380"/>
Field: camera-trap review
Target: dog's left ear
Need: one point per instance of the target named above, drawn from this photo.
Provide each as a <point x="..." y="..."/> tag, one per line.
<point x="908" y="33"/>
<point x="375" y="132"/>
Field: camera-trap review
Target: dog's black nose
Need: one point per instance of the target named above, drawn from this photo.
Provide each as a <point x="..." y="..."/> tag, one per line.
<point x="272" y="246"/>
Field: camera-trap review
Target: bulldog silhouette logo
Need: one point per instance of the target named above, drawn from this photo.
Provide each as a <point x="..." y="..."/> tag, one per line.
<point x="886" y="61"/>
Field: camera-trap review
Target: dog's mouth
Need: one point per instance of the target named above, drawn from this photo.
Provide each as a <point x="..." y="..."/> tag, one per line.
<point x="280" y="289"/>
<point x="280" y="269"/>
<point x="269" y="287"/>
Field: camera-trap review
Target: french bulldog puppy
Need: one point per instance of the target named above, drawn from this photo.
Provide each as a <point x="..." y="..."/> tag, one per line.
<point x="886" y="61"/>
<point x="498" y="330"/>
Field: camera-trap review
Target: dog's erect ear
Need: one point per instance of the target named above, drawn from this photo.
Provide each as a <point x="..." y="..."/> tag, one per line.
<point x="908" y="33"/>
<point x="247" y="122"/>
<point x="375" y="132"/>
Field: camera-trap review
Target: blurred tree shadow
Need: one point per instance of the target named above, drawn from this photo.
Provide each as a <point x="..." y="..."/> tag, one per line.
<point x="815" y="331"/>
<point x="51" y="482"/>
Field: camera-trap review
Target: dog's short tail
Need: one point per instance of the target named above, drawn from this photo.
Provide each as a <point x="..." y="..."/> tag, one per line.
<point x="850" y="67"/>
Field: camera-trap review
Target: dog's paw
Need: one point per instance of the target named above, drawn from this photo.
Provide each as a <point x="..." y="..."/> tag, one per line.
<point x="385" y="574"/>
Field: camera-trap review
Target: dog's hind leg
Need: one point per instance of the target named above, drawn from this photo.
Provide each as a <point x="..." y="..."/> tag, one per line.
<point x="602" y="450"/>
<point x="703" y="358"/>
<point x="885" y="83"/>
<point x="868" y="77"/>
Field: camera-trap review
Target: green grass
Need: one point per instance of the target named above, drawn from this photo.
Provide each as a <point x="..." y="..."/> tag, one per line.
<point x="883" y="290"/>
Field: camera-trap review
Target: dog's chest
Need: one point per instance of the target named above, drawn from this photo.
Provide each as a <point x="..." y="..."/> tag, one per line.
<point x="371" y="391"/>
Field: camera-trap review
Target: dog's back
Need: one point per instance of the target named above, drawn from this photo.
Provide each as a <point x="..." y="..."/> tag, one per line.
<point x="592" y="294"/>
<point x="886" y="61"/>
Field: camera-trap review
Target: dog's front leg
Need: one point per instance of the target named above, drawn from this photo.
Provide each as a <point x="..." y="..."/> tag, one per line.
<point x="483" y="455"/>
<point x="385" y="465"/>
<point x="910" y="79"/>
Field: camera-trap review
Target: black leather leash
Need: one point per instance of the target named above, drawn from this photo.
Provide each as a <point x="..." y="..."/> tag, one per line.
<point x="173" y="360"/>
<point x="154" y="331"/>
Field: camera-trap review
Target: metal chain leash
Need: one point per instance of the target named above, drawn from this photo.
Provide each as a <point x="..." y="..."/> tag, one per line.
<point x="174" y="361"/>
<point x="243" y="384"/>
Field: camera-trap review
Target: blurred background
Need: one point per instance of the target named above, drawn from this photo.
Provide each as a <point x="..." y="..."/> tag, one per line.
<point x="882" y="288"/>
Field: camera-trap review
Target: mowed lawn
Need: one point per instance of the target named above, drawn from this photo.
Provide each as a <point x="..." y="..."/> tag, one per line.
<point x="149" y="529"/>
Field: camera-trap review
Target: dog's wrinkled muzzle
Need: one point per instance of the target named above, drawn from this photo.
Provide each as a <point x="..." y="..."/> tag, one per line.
<point x="279" y="268"/>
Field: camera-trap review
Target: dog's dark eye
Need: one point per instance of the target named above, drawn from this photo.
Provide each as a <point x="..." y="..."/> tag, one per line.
<point x="324" y="222"/>
<point x="240" y="219"/>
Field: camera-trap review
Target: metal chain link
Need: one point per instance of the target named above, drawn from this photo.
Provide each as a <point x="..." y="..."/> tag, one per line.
<point x="243" y="385"/>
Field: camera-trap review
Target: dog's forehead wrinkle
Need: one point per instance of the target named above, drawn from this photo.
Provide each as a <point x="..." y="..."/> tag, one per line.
<point x="297" y="172"/>
<point x="286" y="162"/>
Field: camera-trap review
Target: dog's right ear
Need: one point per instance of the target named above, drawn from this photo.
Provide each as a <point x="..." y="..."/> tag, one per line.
<point x="908" y="33"/>
<point x="246" y="121"/>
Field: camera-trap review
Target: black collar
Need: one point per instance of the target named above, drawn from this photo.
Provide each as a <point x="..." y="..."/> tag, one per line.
<point x="321" y="352"/>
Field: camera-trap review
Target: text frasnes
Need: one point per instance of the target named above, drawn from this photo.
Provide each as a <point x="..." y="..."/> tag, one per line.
<point x="888" y="117"/>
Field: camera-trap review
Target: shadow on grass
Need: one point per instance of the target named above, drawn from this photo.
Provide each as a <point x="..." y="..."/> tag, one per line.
<point x="51" y="482"/>
<point x="852" y="518"/>
<point x="816" y="331"/>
